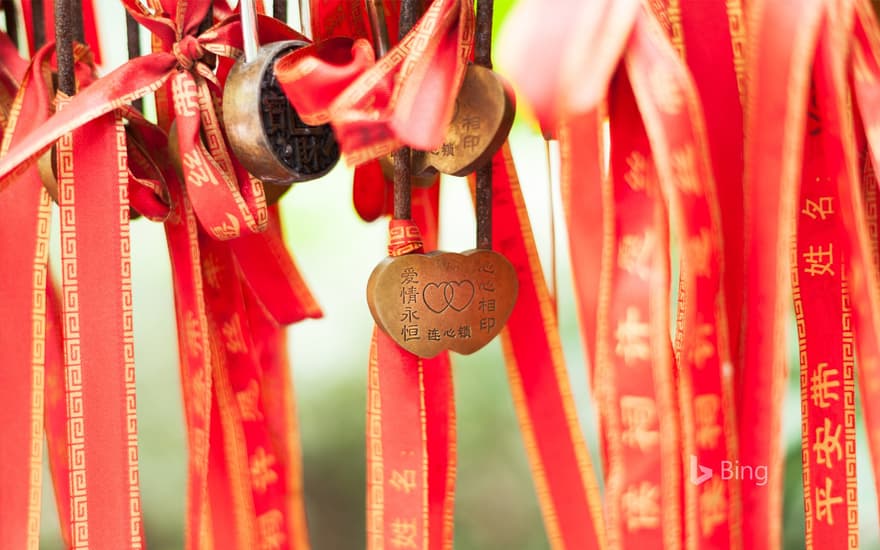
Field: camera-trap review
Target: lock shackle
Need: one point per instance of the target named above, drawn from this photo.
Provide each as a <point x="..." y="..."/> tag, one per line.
<point x="249" y="30"/>
<point x="376" y="13"/>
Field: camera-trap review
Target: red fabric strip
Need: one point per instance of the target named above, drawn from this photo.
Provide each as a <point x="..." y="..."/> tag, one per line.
<point x="711" y="31"/>
<point x="634" y="353"/>
<point x="376" y="106"/>
<point x="563" y="474"/>
<point x="397" y="502"/>
<point x="783" y="41"/>
<point x="55" y="421"/>
<point x="672" y="113"/>
<point x="581" y="145"/>
<point x="440" y="418"/>
<point x="24" y="228"/>
<point x="823" y="310"/>
<point x="98" y="337"/>
<point x="194" y="348"/>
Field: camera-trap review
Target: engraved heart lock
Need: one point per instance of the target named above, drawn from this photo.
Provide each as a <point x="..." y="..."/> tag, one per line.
<point x="430" y="303"/>
<point x="440" y="301"/>
<point x="265" y="132"/>
<point x="483" y="117"/>
<point x="484" y="113"/>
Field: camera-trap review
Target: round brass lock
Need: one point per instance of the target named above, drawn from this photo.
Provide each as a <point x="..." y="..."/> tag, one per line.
<point x="265" y="132"/>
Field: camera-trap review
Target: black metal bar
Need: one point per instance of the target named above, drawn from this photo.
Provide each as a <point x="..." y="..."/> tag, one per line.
<point x="132" y="31"/>
<point x="11" y="20"/>
<point x="279" y="10"/>
<point x="39" y="18"/>
<point x="483" y="56"/>
<point x="410" y="10"/>
<point x="208" y="21"/>
<point x="79" y="33"/>
<point x="64" y="34"/>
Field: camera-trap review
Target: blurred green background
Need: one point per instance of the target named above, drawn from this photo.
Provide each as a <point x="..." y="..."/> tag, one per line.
<point x="496" y="508"/>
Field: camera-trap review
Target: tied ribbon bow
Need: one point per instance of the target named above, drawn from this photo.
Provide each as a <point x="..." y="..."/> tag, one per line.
<point x="226" y="200"/>
<point x="188" y="52"/>
<point x="378" y="105"/>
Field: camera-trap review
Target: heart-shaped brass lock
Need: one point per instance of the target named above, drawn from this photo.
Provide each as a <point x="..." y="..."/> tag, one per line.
<point x="484" y="113"/>
<point x="429" y="303"/>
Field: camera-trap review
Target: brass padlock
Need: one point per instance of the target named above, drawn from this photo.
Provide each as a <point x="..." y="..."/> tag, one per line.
<point x="483" y="117"/>
<point x="265" y="132"/>
<point x="441" y="301"/>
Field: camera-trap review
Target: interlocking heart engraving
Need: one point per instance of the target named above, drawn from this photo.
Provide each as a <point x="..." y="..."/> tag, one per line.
<point x="456" y="295"/>
<point x="440" y="301"/>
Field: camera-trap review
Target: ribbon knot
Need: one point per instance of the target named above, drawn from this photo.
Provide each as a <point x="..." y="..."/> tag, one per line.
<point x="188" y="51"/>
<point x="404" y="238"/>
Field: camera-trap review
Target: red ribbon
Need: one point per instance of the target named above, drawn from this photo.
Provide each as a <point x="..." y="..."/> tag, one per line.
<point x="410" y="422"/>
<point x="823" y="309"/>
<point x="375" y="106"/>
<point x="563" y="474"/>
<point x="24" y="228"/>
<point x="228" y="202"/>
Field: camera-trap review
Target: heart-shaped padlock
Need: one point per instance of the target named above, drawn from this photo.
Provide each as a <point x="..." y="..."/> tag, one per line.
<point x="430" y="303"/>
<point x="265" y="132"/>
<point x="484" y="113"/>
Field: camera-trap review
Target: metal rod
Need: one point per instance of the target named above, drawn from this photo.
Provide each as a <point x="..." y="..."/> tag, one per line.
<point x="410" y="11"/>
<point x="483" y="56"/>
<point x="279" y="10"/>
<point x="79" y="33"/>
<point x="208" y="20"/>
<point x="376" y="13"/>
<point x="132" y="31"/>
<point x="483" y="36"/>
<point x="39" y="18"/>
<point x="64" y="46"/>
<point x="11" y="20"/>
<point x="249" y="29"/>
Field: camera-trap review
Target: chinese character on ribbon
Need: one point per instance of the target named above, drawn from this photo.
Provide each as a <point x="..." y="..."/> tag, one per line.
<point x="404" y="533"/>
<point x="820" y="209"/>
<point x="827" y="444"/>
<point x="632" y="338"/>
<point x="824" y="501"/>
<point x="641" y="506"/>
<point x="819" y="260"/>
<point x="706" y="408"/>
<point x="822" y="386"/>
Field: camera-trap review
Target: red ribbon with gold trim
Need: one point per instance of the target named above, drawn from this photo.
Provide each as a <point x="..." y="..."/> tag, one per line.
<point x="823" y="309"/>
<point x="714" y="45"/>
<point x="672" y="113"/>
<point x="634" y="360"/>
<point x="411" y="454"/>
<point x="227" y="201"/>
<point x="561" y="468"/>
<point x="96" y="289"/>
<point x="24" y="227"/>
<point x="668" y="102"/>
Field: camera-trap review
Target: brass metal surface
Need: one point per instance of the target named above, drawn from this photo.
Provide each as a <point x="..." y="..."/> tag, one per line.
<point x="440" y="301"/>
<point x="484" y="113"/>
<point x="244" y="118"/>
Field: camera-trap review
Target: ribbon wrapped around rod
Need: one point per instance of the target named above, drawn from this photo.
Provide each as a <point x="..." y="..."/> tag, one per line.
<point x="47" y="7"/>
<point x="377" y="105"/>
<point x="227" y="201"/>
